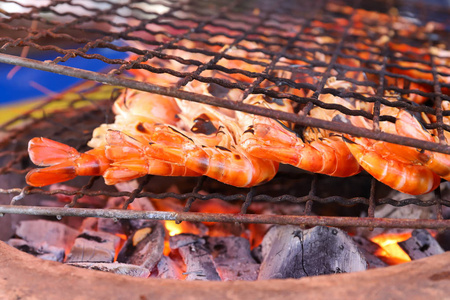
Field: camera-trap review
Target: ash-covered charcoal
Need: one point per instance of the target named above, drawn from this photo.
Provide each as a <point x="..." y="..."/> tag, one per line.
<point x="168" y="269"/>
<point x="39" y="232"/>
<point x="233" y="258"/>
<point x="112" y="225"/>
<point x="89" y="223"/>
<point x="296" y="253"/>
<point x="93" y="246"/>
<point x="44" y="251"/>
<point x="368" y="249"/>
<point x="144" y="246"/>
<point x="117" y="268"/>
<point x="421" y="244"/>
<point x="197" y="257"/>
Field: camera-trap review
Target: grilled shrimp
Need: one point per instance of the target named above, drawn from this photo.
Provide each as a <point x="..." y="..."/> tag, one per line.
<point x="407" y="178"/>
<point x="133" y="107"/>
<point x="272" y="139"/>
<point x="226" y="162"/>
<point x="115" y="164"/>
<point x="394" y="165"/>
<point x="409" y="126"/>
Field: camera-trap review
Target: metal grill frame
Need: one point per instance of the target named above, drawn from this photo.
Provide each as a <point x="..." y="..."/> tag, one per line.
<point x="227" y="13"/>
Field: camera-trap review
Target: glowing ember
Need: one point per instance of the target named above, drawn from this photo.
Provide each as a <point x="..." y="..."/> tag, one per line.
<point x="173" y="228"/>
<point x="390" y="251"/>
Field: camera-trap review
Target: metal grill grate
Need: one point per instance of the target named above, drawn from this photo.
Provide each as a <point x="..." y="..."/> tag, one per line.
<point x="254" y="47"/>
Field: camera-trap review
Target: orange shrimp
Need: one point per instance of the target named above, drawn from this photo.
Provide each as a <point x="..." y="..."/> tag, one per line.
<point x="65" y="163"/>
<point x="129" y="161"/>
<point x="394" y="165"/>
<point x="406" y="178"/>
<point x="230" y="165"/>
<point x="133" y="107"/>
<point x="409" y="126"/>
<point x="274" y="140"/>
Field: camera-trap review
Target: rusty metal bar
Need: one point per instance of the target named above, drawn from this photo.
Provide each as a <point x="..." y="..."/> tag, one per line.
<point x="59" y="212"/>
<point x="143" y="86"/>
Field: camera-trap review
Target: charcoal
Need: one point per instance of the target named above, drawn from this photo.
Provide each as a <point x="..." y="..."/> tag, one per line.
<point x="39" y="232"/>
<point x="257" y="254"/>
<point x="144" y="246"/>
<point x="421" y="244"/>
<point x="267" y="242"/>
<point x="168" y="269"/>
<point x="296" y="253"/>
<point x="443" y="239"/>
<point x="368" y="249"/>
<point x="110" y="225"/>
<point x="93" y="246"/>
<point x="197" y="257"/>
<point x="117" y="268"/>
<point x="44" y="251"/>
<point x="402" y="212"/>
<point x="89" y="224"/>
<point x="185" y="239"/>
<point x="233" y="258"/>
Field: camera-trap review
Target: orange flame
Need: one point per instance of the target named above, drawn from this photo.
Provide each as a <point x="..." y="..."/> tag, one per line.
<point x="173" y="228"/>
<point x="390" y="251"/>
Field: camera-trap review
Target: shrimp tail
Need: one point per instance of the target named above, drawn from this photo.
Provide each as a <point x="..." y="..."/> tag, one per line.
<point x="63" y="162"/>
<point x="59" y="157"/>
<point x="45" y="152"/>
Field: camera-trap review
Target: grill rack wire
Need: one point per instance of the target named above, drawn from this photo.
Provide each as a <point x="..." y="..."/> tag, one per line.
<point x="84" y="27"/>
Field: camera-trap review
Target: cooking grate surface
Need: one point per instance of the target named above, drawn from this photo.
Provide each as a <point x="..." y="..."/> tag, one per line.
<point x="254" y="47"/>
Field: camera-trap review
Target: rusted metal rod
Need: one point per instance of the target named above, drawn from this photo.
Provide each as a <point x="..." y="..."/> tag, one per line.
<point x="227" y="218"/>
<point x="173" y="92"/>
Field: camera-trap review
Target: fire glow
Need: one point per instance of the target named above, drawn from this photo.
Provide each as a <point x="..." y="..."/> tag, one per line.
<point x="173" y="228"/>
<point x="390" y="251"/>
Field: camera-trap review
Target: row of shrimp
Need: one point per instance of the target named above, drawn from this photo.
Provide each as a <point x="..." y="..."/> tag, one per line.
<point x="167" y="136"/>
<point x="160" y="135"/>
<point x="172" y="137"/>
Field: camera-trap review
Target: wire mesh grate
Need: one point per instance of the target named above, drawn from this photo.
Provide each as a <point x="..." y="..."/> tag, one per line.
<point x="285" y="50"/>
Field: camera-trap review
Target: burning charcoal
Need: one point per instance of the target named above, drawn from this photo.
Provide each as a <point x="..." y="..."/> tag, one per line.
<point x="93" y="246"/>
<point x="44" y="251"/>
<point x="168" y="269"/>
<point x="321" y="250"/>
<point x="403" y="212"/>
<point x="89" y="224"/>
<point x="233" y="258"/>
<point x="117" y="268"/>
<point x="39" y="232"/>
<point x="145" y="246"/>
<point x="199" y="261"/>
<point x="421" y="244"/>
<point x="110" y="225"/>
<point x="368" y="248"/>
